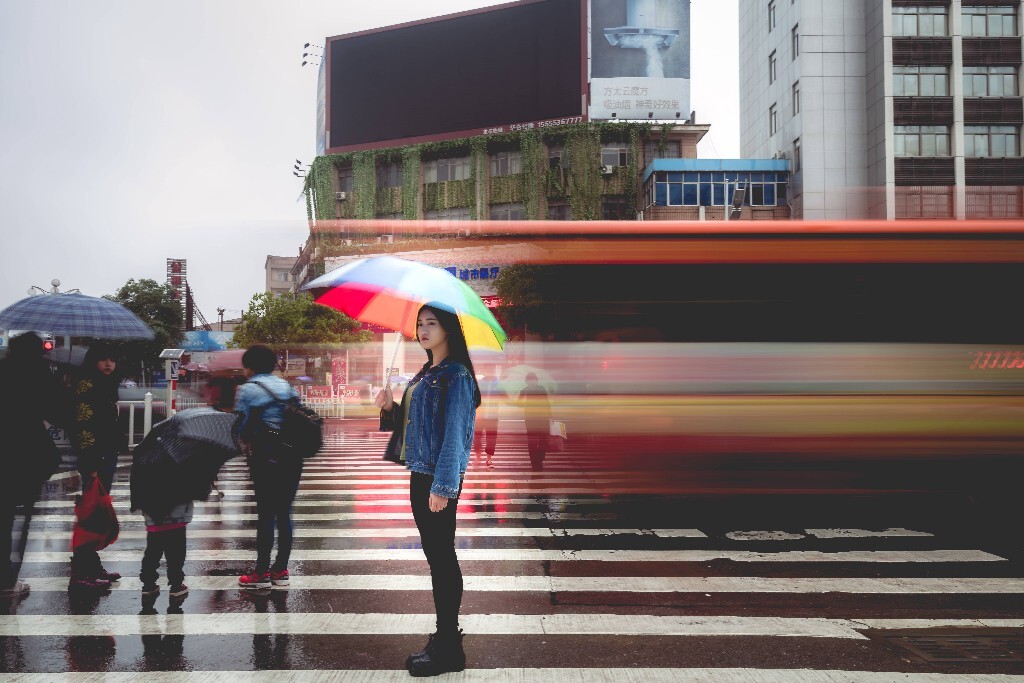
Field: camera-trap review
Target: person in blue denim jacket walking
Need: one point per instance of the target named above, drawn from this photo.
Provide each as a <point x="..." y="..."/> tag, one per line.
<point x="434" y="421"/>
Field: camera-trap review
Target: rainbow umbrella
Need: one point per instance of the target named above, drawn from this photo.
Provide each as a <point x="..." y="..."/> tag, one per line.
<point x="389" y="291"/>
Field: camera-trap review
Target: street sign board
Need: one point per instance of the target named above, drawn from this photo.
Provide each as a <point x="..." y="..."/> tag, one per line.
<point x="174" y="366"/>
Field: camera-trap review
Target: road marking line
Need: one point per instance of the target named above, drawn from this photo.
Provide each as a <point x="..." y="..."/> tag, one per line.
<point x="403" y="532"/>
<point x="130" y="520"/>
<point x="388" y="502"/>
<point x="863" y="533"/>
<point x="101" y="625"/>
<point x="574" y="675"/>
<point x="538" y="554"/>
<point x="602" y="584"/>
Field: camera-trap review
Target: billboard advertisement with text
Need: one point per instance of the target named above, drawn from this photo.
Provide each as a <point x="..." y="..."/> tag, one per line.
<point x="640" y="59"/>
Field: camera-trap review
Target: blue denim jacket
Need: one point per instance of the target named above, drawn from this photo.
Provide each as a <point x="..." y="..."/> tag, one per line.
<point x="250" y="397"/>
<point x="433" y="447"/>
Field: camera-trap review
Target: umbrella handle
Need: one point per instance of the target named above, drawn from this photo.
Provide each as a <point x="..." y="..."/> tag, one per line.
<point x="394" y="356"/>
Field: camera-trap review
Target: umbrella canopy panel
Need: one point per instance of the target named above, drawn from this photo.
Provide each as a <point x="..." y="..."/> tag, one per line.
<point x="389" y="291"/>
<point x="75" y="315"/>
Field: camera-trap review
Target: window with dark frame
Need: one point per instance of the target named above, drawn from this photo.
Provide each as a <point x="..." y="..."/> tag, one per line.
<point x="992" y="141"/>
<point x="921" y="141"/>
<point x="559" y="211"/>
<point x="505" y="163"/>
<point x="920" y="21"/>
<point x="794" y="38"/>
<point x="615" y="154"/>
<point x="389" y="175"/>
<point x="771" y="15"/>
<point x="797" y="160"/>
<point x="990" y="81"/>
<point x="716" y="188"/>
<point x="920" y="81"/>
<point x="508" y="212"/>
<point x="772" y="70"/>
<point x="616" y="208"/>
<point x="443" y="170"/>
<point x="796" y="98"/>
<point x="993" y="21"/>
<point x="773" y="120"/>
<point x="345" y="179"/>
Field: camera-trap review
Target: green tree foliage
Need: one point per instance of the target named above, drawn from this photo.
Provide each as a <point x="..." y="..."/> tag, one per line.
<point x="157" y="306"/>
<point x="287" y="320"/>
<point x="530" y="299"/>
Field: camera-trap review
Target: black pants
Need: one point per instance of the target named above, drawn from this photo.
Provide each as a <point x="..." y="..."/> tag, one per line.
<point x="437" y="536"/>
<point x="485" y="437"/>
<point x="169" y="544"/>
<point x="275" y="486"/>
<point x="9" y="570"/>
<point x="537" y="444"/>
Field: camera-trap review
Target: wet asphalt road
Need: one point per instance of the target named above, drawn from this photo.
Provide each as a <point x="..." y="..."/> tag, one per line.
<point x="585" y="571"/>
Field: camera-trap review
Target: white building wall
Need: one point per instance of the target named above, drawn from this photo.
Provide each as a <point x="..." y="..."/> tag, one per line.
<point x="833" y="120"/>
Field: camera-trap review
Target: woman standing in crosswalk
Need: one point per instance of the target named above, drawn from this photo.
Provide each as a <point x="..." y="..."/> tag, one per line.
<point x="435" y="421"/>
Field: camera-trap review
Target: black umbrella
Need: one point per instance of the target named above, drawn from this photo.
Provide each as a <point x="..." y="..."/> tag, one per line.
<point x="180" y="457"/>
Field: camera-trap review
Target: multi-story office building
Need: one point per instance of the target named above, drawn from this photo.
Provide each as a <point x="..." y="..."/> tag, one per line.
<point x="887" y="108"/>
<point x="278" y="271"/>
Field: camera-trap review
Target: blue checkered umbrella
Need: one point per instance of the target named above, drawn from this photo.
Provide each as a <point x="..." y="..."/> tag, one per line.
<point x="74" y="315"/>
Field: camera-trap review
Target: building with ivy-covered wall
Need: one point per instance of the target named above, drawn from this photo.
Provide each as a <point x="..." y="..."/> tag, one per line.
<point x="584" y="171"/>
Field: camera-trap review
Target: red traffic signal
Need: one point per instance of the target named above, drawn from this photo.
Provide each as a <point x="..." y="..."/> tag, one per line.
<point x="48" y="345"/>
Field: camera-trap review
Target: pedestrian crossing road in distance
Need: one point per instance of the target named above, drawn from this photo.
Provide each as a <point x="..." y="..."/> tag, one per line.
<point x="582" y="585"/>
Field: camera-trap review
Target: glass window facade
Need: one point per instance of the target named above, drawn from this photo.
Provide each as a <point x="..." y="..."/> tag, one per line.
<point x="389" y="175"/>
<point x="990" y="81"/>
<point x="715" y="188"/>
<point x="921" y="141"/>
<point x="443" y="170"/>
<point x="456" y="214"/>
<point x="920" y="21"/>
<point x="920" y="81"/>
<point x="997" y="21"/>
<point x="615" y="154"/>
<point x="508" y="212"/>
<point x="991" y="141"/>
<point x="505" y="163"/>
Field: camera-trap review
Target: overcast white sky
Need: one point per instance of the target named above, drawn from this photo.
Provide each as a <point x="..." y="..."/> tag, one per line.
<point x="131" y="132"/>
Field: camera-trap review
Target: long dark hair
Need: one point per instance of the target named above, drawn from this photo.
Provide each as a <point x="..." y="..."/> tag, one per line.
<point x="457" y="349"/>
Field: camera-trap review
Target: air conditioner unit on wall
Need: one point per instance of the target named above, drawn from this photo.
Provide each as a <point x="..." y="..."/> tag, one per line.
<point x="340" y="196"/>
<point x="388" y="239"/>
<point x="779" y="155"/>
<point x="607" y="170"/>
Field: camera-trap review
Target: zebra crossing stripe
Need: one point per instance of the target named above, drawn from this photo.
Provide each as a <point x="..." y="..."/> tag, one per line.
<point x="358" y="516"/>
<point x="401" y="502"/>
<point x="331" y="623"/>
<point x="574" y="675"/>
<point x="601" y="584"/>
<point x="403" y="532"/>
<point x="298" y="623"/>
<point x="544" y="555"/>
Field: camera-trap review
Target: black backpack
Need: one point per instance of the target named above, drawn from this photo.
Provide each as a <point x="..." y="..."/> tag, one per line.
<point x="301" y="433"/>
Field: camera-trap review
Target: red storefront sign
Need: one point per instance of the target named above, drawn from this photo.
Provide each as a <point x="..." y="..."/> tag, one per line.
<point x="318" y="392"/>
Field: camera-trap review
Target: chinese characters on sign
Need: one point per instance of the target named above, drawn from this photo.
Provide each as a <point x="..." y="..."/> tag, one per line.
<point x="482" y="273"/>
<point x="513" y="127"/>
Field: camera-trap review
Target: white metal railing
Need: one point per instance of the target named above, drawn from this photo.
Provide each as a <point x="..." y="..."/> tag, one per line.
<point x="326" y="406"/>
<point x="147" y="416"/>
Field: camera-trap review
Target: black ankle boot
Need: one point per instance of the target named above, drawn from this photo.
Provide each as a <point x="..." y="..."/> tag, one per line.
<point x="442" y="654"/>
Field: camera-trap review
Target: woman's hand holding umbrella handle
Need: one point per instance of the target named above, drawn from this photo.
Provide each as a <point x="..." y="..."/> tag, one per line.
<point x="384" y="400"/>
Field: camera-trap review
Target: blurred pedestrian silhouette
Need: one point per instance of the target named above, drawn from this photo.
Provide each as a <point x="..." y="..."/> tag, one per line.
<point x="537" y="412"/>
<point x="29" y="395"/>
<point x="485" y="436"/>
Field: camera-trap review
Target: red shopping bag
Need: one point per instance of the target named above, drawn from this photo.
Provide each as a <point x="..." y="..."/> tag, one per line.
<point x="96" y="524"/>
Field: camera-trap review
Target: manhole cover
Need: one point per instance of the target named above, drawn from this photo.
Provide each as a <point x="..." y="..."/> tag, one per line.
<point x="965" y="648"/>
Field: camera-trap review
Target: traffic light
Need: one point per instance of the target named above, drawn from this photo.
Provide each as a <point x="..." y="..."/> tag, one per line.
<point x="47" y="345"/>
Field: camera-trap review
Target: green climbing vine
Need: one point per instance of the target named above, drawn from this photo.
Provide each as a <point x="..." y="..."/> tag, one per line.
<point x="411" y="183"/>
<point x="584" y="146"/>
<point x="364" y="184"/>
<point x="477" y="161"/>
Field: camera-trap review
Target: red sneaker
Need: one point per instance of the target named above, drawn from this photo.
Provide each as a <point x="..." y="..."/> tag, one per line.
<point x="279" y="578"/>
<point x="254" y="580"/>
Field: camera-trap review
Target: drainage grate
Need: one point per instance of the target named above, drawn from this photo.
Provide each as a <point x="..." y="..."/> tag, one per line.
<point x="964" y="648"/>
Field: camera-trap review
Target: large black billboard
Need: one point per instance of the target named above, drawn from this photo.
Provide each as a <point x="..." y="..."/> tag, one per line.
<point x="505" y="67"/>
